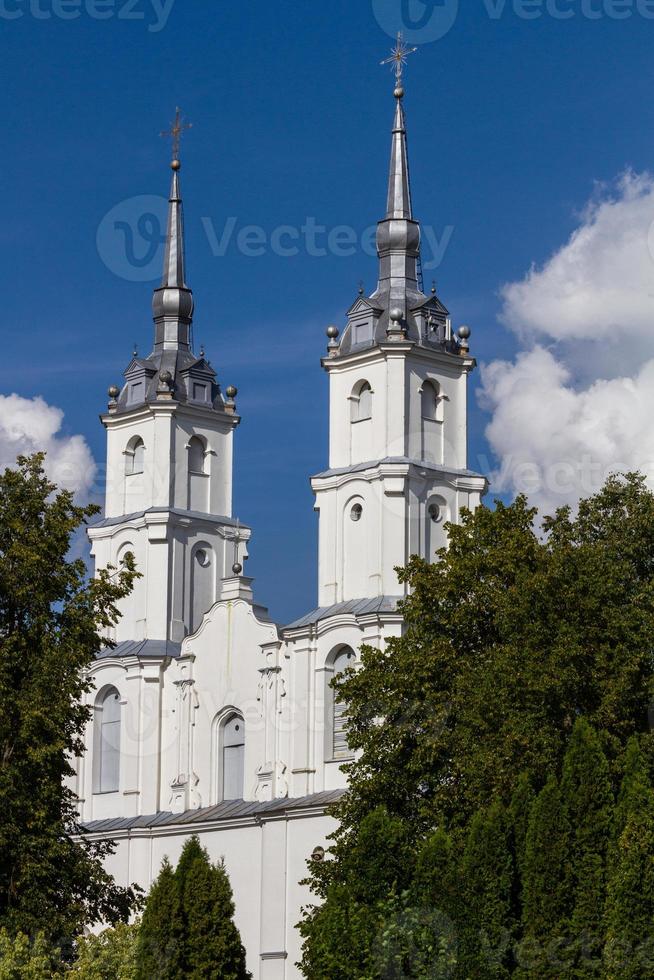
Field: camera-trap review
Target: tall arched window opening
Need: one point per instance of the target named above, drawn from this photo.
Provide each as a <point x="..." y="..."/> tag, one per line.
<point x="135" y="457"/>
<point x="196" y="455"/>
<point x="106" y="756"/>
<point x="338" y="708"/>
<point x="233" y="757"/>
<point x="431" y="410"/>
<point x="361" y="401"/>
<point x="198" y="478"/>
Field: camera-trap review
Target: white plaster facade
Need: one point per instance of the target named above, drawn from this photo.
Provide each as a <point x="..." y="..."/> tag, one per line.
<point x="209" y="718"/>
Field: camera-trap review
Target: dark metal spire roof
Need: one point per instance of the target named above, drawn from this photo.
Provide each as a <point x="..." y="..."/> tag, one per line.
<point x="172" y="371"/>
<point x="172" y="303"/>
<point x="397" y="308"/>
<point x="399" y="187"/>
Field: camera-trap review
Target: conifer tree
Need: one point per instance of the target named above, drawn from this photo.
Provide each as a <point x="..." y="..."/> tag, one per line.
<point x="519" y="814"/>
<point x="213" y="946"/>
<point x="486" y="879"/>
<point x="159" y="949"/>
<point x="188" y="929"/>
<point x="588" y="807"/>
<point x="544" y="894"/>
<point x="629" y="950"/>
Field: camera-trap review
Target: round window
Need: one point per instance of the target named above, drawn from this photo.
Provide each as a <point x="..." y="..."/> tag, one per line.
<point x="202" y="557"/>
<point x="435" y="513"/>
<point x="356" y="513"/>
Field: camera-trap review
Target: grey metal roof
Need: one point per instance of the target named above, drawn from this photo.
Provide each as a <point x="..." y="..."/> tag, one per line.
<point x="232" y="810"/>
<point x="172" y="371"/>
<point x="423" y="318"/>
<point x="355" y="607"/>
<point x="143" y="649"/>
<point x="404" y="460"/>
<point x="196" y="515"/>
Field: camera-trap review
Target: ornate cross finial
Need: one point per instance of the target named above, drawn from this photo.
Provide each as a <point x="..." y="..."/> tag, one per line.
<point x="177" y="127"/>
<point x="398" y="59"/>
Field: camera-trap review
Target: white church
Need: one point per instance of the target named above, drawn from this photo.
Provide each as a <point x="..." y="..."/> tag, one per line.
<point x="209" y="718"/>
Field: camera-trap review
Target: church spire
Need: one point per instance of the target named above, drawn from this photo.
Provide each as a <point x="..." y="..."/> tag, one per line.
<point x="399" y="186"/>
<point x="398" y="234"/>
<point x="172" y="303"/>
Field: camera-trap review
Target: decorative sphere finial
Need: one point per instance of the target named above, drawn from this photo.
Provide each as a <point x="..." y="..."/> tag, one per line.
<point x="399" y="92"/>
<point x="175" y="165"/>
<point x="237" y="568"/>
<point x="231" y="392"/>
<point x="396" y="314"/>
<point x="332" y="332"/>
<point x="113" y="392"/>
<point x="464" y="332"/>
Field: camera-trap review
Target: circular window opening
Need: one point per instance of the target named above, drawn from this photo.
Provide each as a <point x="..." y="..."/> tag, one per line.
<point x="356" y="513"/>
<point x="435" y="513"/>
<point x="202" y="557"/>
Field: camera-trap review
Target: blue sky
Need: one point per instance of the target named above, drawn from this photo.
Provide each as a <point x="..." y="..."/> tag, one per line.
<point x="512" y="122"/>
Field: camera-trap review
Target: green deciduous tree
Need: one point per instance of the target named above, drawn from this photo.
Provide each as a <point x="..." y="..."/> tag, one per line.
<point x="111" y="955"/>
<point x="517" y="631"/>
<point x="51" y="619"/>
<point x="24" y="959"/>
<point x="345" y="930"/>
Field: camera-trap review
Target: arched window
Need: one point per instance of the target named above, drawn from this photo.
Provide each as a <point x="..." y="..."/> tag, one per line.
<point x="106" y="755"/>
<point x="361" y="401"/>
<point x="338" y="722"/>
<point x="196" y="455"/>
<point x="436" y="517"/>
<point x="232" y="739"/>
<point x="203" y="583"/>
<point x="135" y="456"/>
<point x="431" y="401"/>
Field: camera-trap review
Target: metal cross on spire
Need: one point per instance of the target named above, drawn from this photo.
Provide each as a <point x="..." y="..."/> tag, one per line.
<point x="398" y="58"/>
<point x="177" y="127"/>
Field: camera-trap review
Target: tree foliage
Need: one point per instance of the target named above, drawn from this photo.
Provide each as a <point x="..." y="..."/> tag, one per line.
<point x="51" y="618"/>
<point x="524" y="669"/>
<point x="111" y="955"/>
<point x="187" y="930"/>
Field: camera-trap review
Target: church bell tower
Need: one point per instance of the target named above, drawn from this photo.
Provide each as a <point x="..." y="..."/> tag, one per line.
<point x="169" y="469"/>
<point x="398" y="469"/>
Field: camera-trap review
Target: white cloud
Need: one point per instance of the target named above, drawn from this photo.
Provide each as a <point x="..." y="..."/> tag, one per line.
<point x="30" y="425"/>
<point x="566" y="415"/>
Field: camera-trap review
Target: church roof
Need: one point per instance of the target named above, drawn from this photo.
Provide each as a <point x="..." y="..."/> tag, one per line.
<point x="403" y="460"/>
<point x="355" y="607"/>
<point x="142" y="649"/>
<point x="229" y="810"/>
<point x="196" y="515"/>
